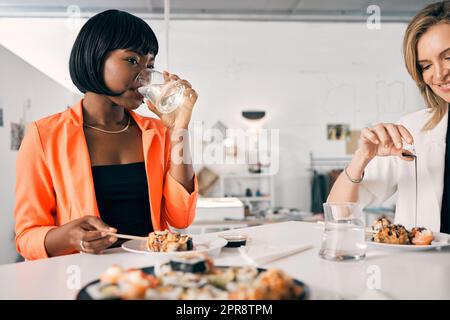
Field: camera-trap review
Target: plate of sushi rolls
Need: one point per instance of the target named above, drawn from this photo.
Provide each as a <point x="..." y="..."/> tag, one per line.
<point x="194" y="276"/>
<point x="165" y="244"/>
<point x="387" y="235"/>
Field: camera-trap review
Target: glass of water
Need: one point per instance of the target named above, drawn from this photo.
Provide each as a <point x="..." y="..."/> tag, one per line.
<point x="166" y="96"/>
<point x="344" y="233"/>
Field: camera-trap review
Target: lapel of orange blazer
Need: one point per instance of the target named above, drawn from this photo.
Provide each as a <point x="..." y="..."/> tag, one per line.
<point x="78" y="167"/>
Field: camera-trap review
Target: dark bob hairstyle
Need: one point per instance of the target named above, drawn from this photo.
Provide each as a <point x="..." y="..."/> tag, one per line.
<point x="101" y="34"/>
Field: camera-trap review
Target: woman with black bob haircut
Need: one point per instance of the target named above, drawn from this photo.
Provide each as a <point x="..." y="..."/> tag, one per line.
<point x="99" y="168"/>
<point x="108" y="31"/>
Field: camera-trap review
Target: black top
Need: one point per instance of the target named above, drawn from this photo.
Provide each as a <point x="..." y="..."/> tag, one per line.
<point x="122" y="197"/>
<point x="445" y="211"/>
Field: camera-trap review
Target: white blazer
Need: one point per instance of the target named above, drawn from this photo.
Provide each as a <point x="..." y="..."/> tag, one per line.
<point x="386" y="175"/>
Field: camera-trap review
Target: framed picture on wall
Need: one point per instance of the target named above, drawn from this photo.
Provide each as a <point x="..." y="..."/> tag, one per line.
<point x="17" y="133"/>
<point x="338" y="131"/>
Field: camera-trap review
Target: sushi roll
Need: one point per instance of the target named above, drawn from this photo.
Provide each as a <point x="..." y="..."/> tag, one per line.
<point x="109" y="291"/>
<point x="246" y="274"/>
<point x="135" y="283"/>
<point x="186" y="243"/>
<point x="171" y="247"/>
<point x="421" y="236"/>
<point x="162" y="234"/>
<point x="381" y="223"/>
<point x="173" y="237"/>
<point x="221" y="278"/>
<point x="152" y="244"/>
<point x="207" y="292"/>
<point x="164" y="293"/>
<point x="112" y="275"/>
<point x="162" y="269"/>
<point x="393" y="234"/>
<point x="164" y="241"/>
<point x="240" y="291"/>
<point x="183" y="279"/>
<point x="191" y="263"/>
<point x="273" y="284"/>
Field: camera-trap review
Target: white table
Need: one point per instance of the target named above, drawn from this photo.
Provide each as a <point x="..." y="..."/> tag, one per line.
<point x="402" y="275"/>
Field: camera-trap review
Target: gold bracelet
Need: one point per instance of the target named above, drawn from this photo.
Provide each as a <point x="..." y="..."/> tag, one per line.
<point x="353" y="180"/>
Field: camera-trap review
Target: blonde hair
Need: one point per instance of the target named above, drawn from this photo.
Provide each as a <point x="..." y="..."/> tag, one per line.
<point x="426" y="18"/>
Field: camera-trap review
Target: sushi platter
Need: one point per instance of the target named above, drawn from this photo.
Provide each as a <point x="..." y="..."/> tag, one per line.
<point x="190" y="277"/>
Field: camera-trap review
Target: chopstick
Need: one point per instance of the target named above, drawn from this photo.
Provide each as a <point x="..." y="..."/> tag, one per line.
<point x="126" y="236"/>
<point x="271" y="257"/>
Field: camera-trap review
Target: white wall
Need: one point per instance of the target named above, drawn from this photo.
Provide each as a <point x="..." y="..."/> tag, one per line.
<point x="304" y="75"/>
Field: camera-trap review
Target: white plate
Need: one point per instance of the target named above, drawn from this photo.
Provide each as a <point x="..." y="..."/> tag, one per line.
<point x="210" y="244"/>
<point x="440" y="240"/>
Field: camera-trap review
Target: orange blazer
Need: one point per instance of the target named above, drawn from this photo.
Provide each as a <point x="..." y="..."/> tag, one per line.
<point x="54" y="182"/>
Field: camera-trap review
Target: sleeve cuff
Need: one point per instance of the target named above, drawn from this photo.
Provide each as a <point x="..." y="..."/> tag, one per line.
<point x="177" y="195"/>
<point x="32" y="244"/>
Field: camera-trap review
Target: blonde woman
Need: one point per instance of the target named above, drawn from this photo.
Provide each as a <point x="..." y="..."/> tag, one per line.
<point x="378" y="169"/>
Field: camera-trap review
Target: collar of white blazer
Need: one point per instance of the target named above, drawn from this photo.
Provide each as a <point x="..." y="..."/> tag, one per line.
<point x="430" y="148"/>
<point x="438" y="133"/>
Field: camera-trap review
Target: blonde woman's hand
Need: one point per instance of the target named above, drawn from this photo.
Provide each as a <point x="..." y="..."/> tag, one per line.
<point x="384" y="139"/>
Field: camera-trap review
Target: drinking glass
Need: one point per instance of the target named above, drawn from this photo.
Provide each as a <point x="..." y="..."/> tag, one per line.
<point x="166" y="96"/>
<point x="344" y="233"/>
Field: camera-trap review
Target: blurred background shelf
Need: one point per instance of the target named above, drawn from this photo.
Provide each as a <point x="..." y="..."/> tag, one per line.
<point x="256" y="199"/>
<point x="256" y="191"/>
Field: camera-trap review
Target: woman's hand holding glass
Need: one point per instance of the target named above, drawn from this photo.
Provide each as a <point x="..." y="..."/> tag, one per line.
<point x="172" y="99"/>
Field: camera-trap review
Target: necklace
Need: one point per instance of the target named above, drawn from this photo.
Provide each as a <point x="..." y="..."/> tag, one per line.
<point x="108" y="131"/>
